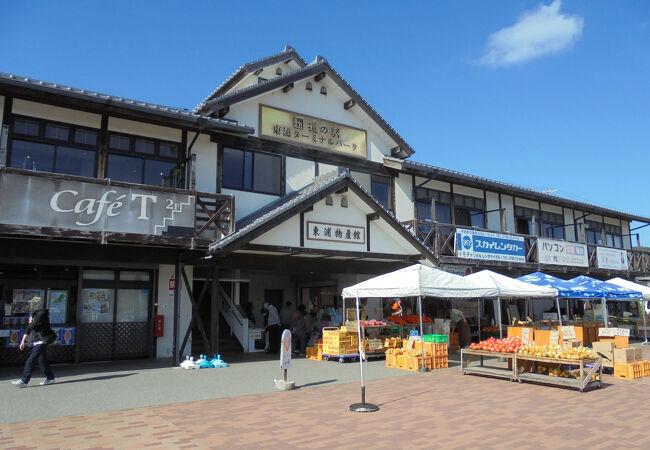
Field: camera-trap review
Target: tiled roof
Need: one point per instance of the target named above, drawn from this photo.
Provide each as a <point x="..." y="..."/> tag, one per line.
<point x="316" y="66"/>
<point x="96" y="97"/>
<point x="439" y="171"/>
<point x="287" y="203"/>
<point x="287" y="53"/>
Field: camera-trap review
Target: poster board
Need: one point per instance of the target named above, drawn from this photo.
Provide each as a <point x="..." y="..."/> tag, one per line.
<point x="525" y="335"/>
<point x="57" y="303"/>
<point x="568" y="332"/>
<point x="554" y="338"/>
<point x="613" y="332"/>
<point x="20" y="299"/>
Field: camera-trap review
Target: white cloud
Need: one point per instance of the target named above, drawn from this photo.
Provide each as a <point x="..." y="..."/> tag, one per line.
<point x="537" y="33"/>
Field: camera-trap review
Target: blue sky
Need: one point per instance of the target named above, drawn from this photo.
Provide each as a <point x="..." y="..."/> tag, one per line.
<point x="547" y="95"/>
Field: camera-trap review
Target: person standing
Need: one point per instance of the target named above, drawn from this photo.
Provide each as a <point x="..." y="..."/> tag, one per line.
<point x="286" y="313"/>
<point x="273" y="327"/>
<point x="39" y="323"/>
<point x="300" y="330"/>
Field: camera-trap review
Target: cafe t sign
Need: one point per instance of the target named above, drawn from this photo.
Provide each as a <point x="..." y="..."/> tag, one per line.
<point x="42" y="201"/>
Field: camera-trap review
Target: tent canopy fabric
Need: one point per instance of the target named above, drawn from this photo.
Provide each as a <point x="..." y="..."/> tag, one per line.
<point x="565" y="289"/>
<point x="631" y="285"/>
<point x="502" y="286"/>
<point x="609" y="291"/>
<point x="413" y="281"/>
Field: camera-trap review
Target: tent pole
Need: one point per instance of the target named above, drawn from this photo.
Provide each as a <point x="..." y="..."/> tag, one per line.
<point x="423" y="367"/>
<point x="363" y="406"/>
<point x="604" y="311"/>
<point x="499" y="312"/>
<point x="479" y="319"/>
<point x="559" y="313"/>
<point x="645" y="326"/>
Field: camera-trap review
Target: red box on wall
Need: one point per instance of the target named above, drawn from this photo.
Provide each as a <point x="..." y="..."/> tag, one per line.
<point x="159" y="325"/>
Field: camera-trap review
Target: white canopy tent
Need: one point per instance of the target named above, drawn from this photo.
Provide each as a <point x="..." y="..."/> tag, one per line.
<point x="500" y="286"/>
<point x="645" y="290"/>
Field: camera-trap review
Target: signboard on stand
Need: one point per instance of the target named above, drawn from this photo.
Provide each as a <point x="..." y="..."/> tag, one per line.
<point x="285" y="350"/>
<point x="474" y="244"/>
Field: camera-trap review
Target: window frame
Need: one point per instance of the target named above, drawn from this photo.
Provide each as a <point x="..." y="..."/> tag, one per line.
<point x="472" y="211"/>
<point x="41" y="138"/>
<point x="131" y="152"/>
<point x="385" y="180"/>
<point x="252" y="189"/>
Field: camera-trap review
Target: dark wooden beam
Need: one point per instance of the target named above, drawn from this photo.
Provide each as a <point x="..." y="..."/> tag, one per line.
<point x="373" y="216"/>
<point x="223" y="111"/>
<point x="308" y="209"/>
<point x="258" y="71"/>
<point x="349" y="104"/>
<point x="342" y="190"/>
<point x="319" y="76"/>
<point x="395" y="151"/>
<point x="287" y="88"/>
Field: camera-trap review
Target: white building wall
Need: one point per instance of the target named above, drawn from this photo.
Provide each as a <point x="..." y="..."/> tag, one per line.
<point x="628" y="241"/>
<point x="552" y="208"/>
<point x="494" y="217"/>
<point x="612" y="221"/>
<point x="469" y="191"/>
<point x="313" y="103"/>
<point x="165" y="301"/>
<point x="206" y="164"/>
<point x="144" y="129"/>
<point x="56" y="113"/>
<point x="404" y="209"/>
<point x="299" y="173"/>
<point x="526" y="203"/>
<point x="507" y="203"/>
<point x="248" y="202"/>
<point x="286" y="234"/>
<point x="434" y="184"/>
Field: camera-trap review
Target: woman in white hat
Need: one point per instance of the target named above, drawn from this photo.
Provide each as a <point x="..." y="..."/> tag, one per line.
<point x="39" y="323"/>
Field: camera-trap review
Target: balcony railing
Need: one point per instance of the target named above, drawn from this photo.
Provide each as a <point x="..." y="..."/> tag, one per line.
<point x="440" y="238"/>
<point x="41" y="204"/>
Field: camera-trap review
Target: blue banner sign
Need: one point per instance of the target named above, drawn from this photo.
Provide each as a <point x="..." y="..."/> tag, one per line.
<point x="474" y="244"/>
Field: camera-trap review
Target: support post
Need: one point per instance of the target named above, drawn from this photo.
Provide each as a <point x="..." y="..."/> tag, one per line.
<point x="423" y="367"/>
<point x="215" y="311"/>
<point x="559" y="313"/>
<point x="177" y="302"/>
<point x="499" y="313"/>
<point x="645" y="325"/>
<point x="605" y="321"/>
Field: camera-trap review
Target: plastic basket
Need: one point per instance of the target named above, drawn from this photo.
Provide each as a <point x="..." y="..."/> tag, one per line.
<point x="437" y="338"/>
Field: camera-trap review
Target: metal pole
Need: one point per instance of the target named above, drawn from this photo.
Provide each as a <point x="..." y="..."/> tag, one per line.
<point x="423" y="367"/>
<point x="177" y="300"/>
<point x="645" y="326"/>
<point x="479" y="318"/>
<point x="360" y="352"/>
<point x="559" y="313"/>
<point x="499" y="312"/>
<point x="604" y="302"/>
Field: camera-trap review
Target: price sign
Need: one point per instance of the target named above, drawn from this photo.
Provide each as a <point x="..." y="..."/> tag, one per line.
<point x="607" y="332"/>
<point x="554" y="338"/>
<point x="623" y="332"/>
<point x="568" y="332"/>
<point x="525" y="335"/>
<point x="410" y="343"/>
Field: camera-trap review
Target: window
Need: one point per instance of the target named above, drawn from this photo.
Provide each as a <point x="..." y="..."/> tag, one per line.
<point x="429" y="201"/>
<point x="469" y="211"/>
<point x="524" y="220"/>
<point x="594" y="232"/>
<point x="50" y="147"/>
<point x="553" y="225"/>
<point x="252" y="171"/>
<point x="380" y="188"/>
<point x="613" y="235"/>
<point x="142" y="160"/>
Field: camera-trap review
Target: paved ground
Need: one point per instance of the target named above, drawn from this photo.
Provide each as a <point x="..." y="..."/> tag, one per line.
<point x="442" y="408"/>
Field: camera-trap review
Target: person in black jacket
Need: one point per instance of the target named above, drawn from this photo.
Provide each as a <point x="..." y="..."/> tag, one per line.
<point x="39" y="323"/>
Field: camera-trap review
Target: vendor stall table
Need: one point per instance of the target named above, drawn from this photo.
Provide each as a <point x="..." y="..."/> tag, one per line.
<point x="584" y="381"/>
<point x="519" y="363"/>
<point x="468" y="355"/>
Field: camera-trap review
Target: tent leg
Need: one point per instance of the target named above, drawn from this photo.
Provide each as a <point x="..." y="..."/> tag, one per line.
<point x="559" y="313"/>
<point x="604" y="311"/>
<point x="423" y="367"/>
<point x="363" y="406"/>
<point x="499" y="314"/>
<point x="645" y="326"/>
<point x="479" y="319"/>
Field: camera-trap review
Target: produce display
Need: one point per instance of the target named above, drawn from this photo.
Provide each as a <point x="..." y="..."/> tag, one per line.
<point x="373" y="323"/>
<point x="408" y="320"/>
<point x="505" y="345"/>
<point x="556" y="351"/>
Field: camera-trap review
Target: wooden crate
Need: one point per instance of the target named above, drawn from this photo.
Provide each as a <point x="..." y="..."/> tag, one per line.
<point x="400" y="362"/>
<point x="632" y="371"/>
<point x="646" y="368"/>
<point x="440" y="349"/>
<point x="391" y="360"/>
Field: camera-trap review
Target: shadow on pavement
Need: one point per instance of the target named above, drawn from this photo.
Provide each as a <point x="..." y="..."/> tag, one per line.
<point x="105" y="377"/>
<point x="405" y="397"/>
<point x="316" y="383"/>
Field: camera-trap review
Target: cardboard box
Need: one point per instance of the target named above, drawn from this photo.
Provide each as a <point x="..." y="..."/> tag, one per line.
<point x="606" y="349"/>
<point x="542" y="337"/>
<point x="619" y="341"/>
<point x="571" y="343"/>
<point x="627" y="355"/>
